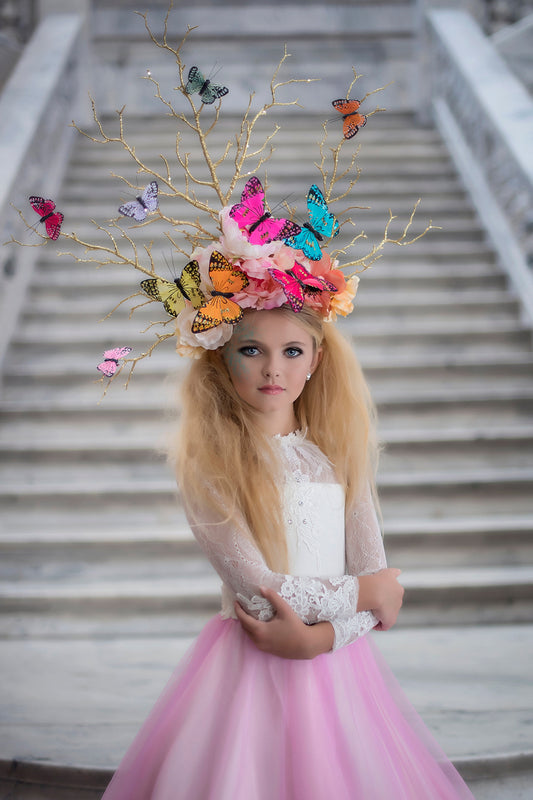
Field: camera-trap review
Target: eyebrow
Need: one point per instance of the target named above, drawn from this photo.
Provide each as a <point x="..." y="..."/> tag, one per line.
<point x="259" y="342"/>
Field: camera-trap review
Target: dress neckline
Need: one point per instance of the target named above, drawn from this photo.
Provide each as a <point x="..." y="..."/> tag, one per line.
<point x="290" y="438"/>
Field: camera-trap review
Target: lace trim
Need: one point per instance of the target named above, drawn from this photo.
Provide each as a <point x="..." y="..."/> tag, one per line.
<point x="347" y="630"/>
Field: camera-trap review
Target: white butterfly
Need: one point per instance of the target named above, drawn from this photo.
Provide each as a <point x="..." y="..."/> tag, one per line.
<point x="142" y="205"/>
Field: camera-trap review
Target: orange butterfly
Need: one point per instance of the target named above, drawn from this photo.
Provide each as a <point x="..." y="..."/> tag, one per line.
<point x="227" y="280"/>
<point x="352" y="121"/>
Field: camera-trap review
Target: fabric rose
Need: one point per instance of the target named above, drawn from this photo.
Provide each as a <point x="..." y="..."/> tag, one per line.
<point x="341" y="303"/>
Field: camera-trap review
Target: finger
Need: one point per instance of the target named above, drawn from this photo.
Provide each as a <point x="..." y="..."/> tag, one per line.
<point x="281" y="607"/>
<point x="248" y="622"/>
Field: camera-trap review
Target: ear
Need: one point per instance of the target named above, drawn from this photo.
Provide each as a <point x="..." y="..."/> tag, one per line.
<point x="317" y="358"/>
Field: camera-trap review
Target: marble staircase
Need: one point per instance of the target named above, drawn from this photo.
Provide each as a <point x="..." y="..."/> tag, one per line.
<point x="102" y="585"/>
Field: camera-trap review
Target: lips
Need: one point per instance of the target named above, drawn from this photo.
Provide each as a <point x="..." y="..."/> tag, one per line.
<point x="271" y="389"/>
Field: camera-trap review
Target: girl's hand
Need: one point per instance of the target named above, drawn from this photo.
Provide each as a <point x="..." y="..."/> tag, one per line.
<point x="382" y="594"/>
<point x="286" y="635"/>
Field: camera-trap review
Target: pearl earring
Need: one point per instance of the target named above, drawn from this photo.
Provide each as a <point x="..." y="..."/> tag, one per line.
<point x="307" y="376"/>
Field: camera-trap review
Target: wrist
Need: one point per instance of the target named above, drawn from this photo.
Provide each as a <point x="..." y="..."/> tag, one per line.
<point x="320" y="639"/>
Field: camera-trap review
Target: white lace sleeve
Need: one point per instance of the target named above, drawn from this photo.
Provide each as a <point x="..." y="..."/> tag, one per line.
<point x="365" y="555"/>
<point x="242" y="568"/>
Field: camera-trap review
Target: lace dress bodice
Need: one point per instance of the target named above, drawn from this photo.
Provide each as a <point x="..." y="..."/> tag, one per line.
<point x="327" y="547"/>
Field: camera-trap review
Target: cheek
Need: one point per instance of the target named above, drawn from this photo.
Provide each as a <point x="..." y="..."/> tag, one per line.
<point x="239" y="368"/>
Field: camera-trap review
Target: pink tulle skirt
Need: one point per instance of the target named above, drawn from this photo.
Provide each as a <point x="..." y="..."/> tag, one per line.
<point x="237" y="724"/>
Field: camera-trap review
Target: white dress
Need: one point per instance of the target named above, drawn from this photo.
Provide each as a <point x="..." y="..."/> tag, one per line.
<point x="238" y="724"/>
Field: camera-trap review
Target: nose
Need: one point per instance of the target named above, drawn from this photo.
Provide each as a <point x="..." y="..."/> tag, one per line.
<point x="270" y="370"/>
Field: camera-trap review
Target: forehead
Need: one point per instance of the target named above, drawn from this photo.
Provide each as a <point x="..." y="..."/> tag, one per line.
<point x="271" y="326"/>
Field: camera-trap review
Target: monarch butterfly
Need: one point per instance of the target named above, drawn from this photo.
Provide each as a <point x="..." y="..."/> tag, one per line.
<point x="352" y="120"/>
<point x="227" y="280"/>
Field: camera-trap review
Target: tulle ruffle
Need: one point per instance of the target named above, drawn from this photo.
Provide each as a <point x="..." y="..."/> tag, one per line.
<point x="238" y="724"/>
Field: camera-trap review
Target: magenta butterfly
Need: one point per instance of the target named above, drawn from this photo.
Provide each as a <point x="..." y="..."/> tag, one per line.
<point x="52" y="219"/>
<point x="252" y="212"/>
<point x="111" y="358"/>
<point x="298" y="282"/>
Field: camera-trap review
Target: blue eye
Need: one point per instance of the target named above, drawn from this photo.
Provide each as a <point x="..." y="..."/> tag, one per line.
<point x="293" y="352"/>
<point x="247" y="350"/>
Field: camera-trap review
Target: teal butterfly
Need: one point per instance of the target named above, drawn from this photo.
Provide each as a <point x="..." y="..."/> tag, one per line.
<point x="321" y="223"/>
<point x="209" y="92"/>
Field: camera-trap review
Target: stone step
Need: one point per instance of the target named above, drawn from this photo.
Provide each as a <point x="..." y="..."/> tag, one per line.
<point x="141" y="586"/>
<point x="77" y="404"/>
<point x="67" y="449"/>
<point x="418" y="335"/>
<point x="482" y="725"/>
<point x="411" y="543"/>
<point x="417" y="545"/>
<point x="497" y="490"/>
<point x="441" y="206"/>
<point x="394" y="305"/>
<point x="27" y="438"/>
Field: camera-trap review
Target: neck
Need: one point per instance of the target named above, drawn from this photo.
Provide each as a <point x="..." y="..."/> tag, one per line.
<point x="275" y="425"/>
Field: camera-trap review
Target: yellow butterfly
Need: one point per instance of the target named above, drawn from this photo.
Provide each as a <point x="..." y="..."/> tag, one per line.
<point x="227" y="280"/>
<point x="173" y="294"/>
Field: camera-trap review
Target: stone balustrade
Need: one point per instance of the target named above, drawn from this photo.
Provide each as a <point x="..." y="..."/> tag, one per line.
<point x="37" y="104"/>
<point x="486" y="118"/>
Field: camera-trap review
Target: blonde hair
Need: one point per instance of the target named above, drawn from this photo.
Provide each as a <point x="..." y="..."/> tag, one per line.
<point x="228" y="464"/>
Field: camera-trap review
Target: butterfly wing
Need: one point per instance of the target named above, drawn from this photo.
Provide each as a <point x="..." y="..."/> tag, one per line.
<point x="320" y="217"/>
<point x="133" y="209"/>
<point x="252" y="205"/>
<point x="307" y="242"/>
<point x="166" y="292"/>
<point x="108" y="368"/>
<point x="217" y="310"/>
<point x="352" y="124"/>
<point x="149" y="196"/>
<point x="225" y="276"/>
<point x="312" y="283"/>
<point x="190" y="281"/>
<point x="53" y="225"/>
<point x="227" y="280"/>
<point x="41" y="206"/>
<point x="213" y="92"/>
<point x="116" y="353"/>
<point x="291" y="287"/>
<point x="195" y="81"/>
<point x="345" y="107"/>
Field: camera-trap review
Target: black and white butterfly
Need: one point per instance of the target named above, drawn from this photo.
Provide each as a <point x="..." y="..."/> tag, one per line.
<point x="142" y="205"/>
<point x="209" y="92"/>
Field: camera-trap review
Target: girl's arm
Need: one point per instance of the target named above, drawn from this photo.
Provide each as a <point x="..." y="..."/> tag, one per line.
<point x="288" y="637"/>
<point x="379" y="592"/>
<point x="230" y="548"/>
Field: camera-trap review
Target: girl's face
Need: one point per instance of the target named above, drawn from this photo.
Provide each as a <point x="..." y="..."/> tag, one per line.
<point x="268" y="358"/>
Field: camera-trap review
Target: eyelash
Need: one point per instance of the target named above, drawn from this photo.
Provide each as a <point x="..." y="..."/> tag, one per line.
<point x="246" y="351"/>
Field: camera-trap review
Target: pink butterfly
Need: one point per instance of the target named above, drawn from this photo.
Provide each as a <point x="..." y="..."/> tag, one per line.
<point x="110" y="364"/>
<point x="52" y="219"/>
<point x="297" y="282"/>
<point x="252" y="212"/>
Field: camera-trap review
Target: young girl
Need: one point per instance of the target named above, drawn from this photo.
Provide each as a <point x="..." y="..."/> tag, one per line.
<point x="282" y="696"/>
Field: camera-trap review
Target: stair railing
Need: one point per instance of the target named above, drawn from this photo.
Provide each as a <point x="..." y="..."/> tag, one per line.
<point x="38" y="102"/>
<point x="485" y="116"/>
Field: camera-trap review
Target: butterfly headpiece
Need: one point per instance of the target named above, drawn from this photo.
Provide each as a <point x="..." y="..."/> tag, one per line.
<point x="260" y="258"/>
<point x="260" y="262"/>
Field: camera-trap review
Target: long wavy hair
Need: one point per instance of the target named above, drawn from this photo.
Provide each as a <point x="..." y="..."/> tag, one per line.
<point x="227" y="464"/>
